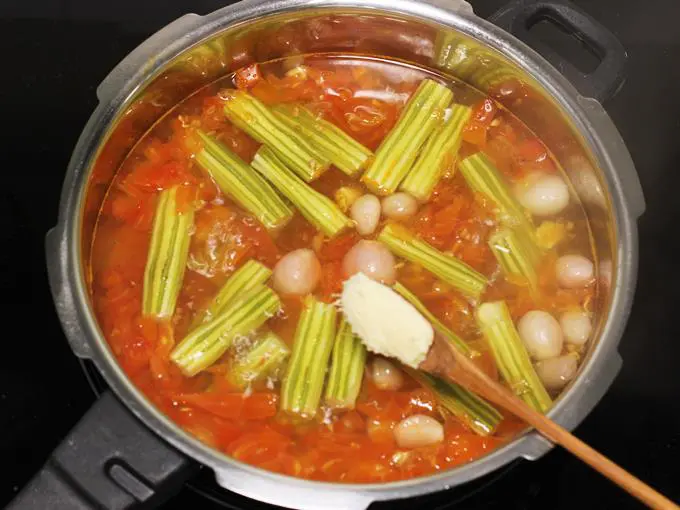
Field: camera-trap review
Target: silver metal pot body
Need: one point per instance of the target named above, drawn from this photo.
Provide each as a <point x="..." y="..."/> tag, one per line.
<point x="194" y="50"/>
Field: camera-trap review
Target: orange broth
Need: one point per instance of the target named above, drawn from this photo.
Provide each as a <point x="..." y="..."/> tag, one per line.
<point x="362" y="96"/>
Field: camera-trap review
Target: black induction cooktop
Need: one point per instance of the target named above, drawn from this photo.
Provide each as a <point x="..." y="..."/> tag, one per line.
<point x="55" y="52"/>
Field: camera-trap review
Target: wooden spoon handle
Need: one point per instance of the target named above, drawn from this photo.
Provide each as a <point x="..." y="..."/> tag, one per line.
<point x="466" y="373"/>
<point x="596" y="460"/>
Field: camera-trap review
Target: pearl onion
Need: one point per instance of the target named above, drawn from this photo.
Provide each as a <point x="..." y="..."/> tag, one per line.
<point x="541" y="334"/>
<point x="576" y="327"/>
<point x="418" y="430"/>
<point x="385" y="375"/>
<point x="574" y="271"/>
<point x="297" y="273"/>
<point x="555" y="373"/>
<point x="399" y="206"/>
<point x="373" y="259"/>
<point x="365" y="212"/>
<point x="543" y="194"/>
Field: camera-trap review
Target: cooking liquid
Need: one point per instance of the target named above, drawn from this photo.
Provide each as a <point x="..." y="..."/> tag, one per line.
<point x="363" y="96"/>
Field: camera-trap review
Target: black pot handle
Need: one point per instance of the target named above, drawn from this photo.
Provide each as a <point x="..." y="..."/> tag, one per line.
<point x="601" y="84"/>
<point x="110" y="461"/>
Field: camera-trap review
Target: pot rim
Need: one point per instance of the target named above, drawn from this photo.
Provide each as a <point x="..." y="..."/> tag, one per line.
<point x="590" y="120"/>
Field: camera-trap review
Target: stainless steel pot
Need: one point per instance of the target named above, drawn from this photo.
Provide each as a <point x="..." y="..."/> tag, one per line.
<point x="114" y="461"/>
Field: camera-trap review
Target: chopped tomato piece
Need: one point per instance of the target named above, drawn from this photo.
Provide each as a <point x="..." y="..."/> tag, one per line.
<point x="351" y="421"/>
<point x="509" y="91"/>
<point x="482" y="115"/>
<point x="233" y="405"/>
<point x="111" y="278"/>
<point x="294" y="87"/>
<point x="265" y="249"/>
<point x="212" y="114"/>
<point x="369" y="122"/>
<point x="208" y="191"/>
<point x="466" y="447"/>
<point x="224" y="238"/>
<point x="381" y="431"/>
<point x="165" y="373"/>
<point x="247" y="77"/>
<point x="421" y="401"/>
<point x="533" y="156"/>
<point x="332" y="277"/>
<point x="135" y="353"/>
<point x="476" y="254"/>
<point x="532" y="149"/>
<point x="259" y="446"/>
<point x="127" y="209"/>
<point x="185" y="199"/>
<point x="503" y="154"/>
<point x="266" y="92"/>
<point x="160" y="176"/>
<point x="226" y="433"/>
<point x="335" y="249"/>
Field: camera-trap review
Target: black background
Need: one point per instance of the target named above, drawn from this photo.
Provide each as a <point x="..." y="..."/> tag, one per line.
<point x="54" y="54"/>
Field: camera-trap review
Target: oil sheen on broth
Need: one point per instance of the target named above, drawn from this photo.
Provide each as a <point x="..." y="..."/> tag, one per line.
<point x="227" y="234"/>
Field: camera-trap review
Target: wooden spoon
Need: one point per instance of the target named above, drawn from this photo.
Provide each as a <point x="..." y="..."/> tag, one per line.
<point x="445" y="361"/>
